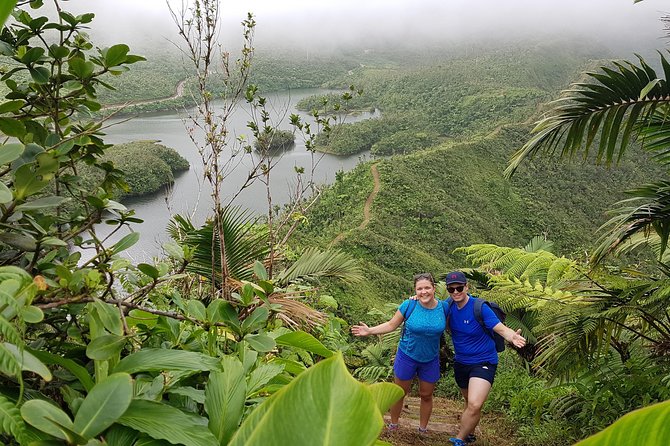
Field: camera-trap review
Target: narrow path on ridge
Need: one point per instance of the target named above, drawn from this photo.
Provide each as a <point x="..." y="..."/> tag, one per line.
<point x="368" y="204"/>
<point x="178" y="92"/>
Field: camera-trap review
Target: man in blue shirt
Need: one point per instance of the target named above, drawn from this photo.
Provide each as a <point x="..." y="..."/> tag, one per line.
<point x="476" y="357"/>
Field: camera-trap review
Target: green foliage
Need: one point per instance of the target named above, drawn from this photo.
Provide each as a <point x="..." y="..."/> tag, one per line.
<point x="403" y="142"/>
<point x="147" y="166"/>
<point x="449" y="97"/>
<point x="277" y="421"/>
<point x="643" y="423"/>
<point x="434" y="201"/>
<point x="275" y="141"/>
<point x="96" y="349"/>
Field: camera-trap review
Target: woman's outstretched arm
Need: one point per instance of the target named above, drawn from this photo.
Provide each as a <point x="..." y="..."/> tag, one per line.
<point x="363" y="330"/>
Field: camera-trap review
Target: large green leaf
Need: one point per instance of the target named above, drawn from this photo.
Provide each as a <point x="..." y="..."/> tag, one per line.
<point x="105" y="347"/>
<point x="165" y="422"/>
<point x="262" y="375"/>
<point x="305" y="341"/>
<point x="28" y="362"/>
<point x="385" y="395"/>
<point x="260" y="342"/>
<point x="323" y="406"/>
<point x="125" y="243"/>
<point x="42" y="203"/>
<point x="157" y="360"/>
<point x="115" y="55"/>
<point x="643" y="426"/>
<point x="12" y="127"/>
<point x="106" y="402"/>
<point x="255" y="320"/>
<point x="109" y="316"/>
<point x="119" y="435"/>
<point x="5" y="9"/>
<point x="26" y="183"/>
<point x="19" y="241"/>
<point x="78" y="371"/>
<point x="47" y="418"/>
<point x="5" y="194"/>
<point x="10" y="152"/>
<point x="224" y="399"/>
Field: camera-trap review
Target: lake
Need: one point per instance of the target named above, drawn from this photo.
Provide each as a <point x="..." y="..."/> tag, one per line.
<point x="190" y="193"/>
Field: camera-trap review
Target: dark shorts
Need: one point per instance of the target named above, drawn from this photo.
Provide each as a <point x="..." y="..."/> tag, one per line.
<point x="405" y="368"/>
<point x="463" y="372"/>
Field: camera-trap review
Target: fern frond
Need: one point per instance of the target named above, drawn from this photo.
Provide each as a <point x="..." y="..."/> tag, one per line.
<point x="374" y="373"/>
<point x="9" y="366"/>
<point x="538" y="243"/>
<point x="8" y="332"/>
<point x="10" y="418"/>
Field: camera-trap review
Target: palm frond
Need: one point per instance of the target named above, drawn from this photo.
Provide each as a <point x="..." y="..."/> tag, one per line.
<point x="610" y="106"/>
<point x="641" y="241"/>
<point x="244" y="242"/>
<point x="296" y="314"/>
<point x="647" y="211"/>
<point x="314" y="263"/>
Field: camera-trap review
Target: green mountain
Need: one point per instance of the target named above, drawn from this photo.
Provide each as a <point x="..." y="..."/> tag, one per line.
<point x="435" y="200"/>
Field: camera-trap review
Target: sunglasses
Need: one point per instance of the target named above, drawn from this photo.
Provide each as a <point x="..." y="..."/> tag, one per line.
<point x="455" y="289"/>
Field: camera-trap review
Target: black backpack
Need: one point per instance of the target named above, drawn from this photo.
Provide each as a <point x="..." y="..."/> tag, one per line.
<point x="500" y="314"/>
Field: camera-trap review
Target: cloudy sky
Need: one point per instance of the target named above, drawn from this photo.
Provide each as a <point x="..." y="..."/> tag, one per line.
<point x="354" y="21"/>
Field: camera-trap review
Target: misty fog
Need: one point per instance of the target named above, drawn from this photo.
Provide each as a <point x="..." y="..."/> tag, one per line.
<point x="619" y="25"/>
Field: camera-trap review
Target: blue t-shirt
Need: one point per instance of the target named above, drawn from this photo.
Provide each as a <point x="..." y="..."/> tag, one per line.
<point x="472" y="344"/>
<point x="423" y="328"/>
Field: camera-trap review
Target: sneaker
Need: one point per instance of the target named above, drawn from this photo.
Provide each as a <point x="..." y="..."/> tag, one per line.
<point x="457" y="441"/>
<point x="422" y="430"/>
<point x="392" y="426"/>
<point x="471" y="438"/>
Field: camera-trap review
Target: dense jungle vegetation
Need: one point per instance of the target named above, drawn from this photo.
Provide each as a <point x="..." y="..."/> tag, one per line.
<point x="239" y="332"/>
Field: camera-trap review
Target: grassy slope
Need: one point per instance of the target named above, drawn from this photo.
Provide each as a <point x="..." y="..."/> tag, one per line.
<point x="454" y="195"/>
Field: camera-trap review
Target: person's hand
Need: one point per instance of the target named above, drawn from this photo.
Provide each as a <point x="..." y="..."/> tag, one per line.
<point x="360" y="330"/>
<point x="517" y="340"/>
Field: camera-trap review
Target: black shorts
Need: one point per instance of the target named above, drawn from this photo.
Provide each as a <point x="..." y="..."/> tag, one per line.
<point x="463" y="372"/>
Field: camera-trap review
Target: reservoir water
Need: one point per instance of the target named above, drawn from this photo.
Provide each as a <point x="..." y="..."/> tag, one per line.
<point x="190" y="193"/>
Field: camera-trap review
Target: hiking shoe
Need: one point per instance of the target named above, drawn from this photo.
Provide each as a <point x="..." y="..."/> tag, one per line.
<point x="422" y="430"/>
<point x="471" y="438"/>
<point x="392" y="426"/>
<point x="457" y="441"/>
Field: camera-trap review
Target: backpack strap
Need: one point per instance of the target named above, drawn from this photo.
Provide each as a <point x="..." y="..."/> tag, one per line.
<point x="408" y="312"/>
<point x="446" y="306"/>
<point x="410" y="308"/>
<point x="478" y="314"/>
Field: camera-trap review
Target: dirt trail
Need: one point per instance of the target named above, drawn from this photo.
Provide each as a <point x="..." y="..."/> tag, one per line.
<point x="493" y="431"/>
<point x="367" y="206"/>
<point x="178" y="92"/>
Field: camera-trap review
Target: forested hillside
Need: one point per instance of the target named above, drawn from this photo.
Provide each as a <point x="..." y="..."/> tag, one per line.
<point x="454" y="194"/>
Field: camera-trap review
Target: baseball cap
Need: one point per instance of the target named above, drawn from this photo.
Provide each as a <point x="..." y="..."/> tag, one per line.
<point x="456" y="277"/>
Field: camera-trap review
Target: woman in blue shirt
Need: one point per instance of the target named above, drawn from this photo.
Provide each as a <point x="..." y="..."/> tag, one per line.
<point x="418" y="350"/>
